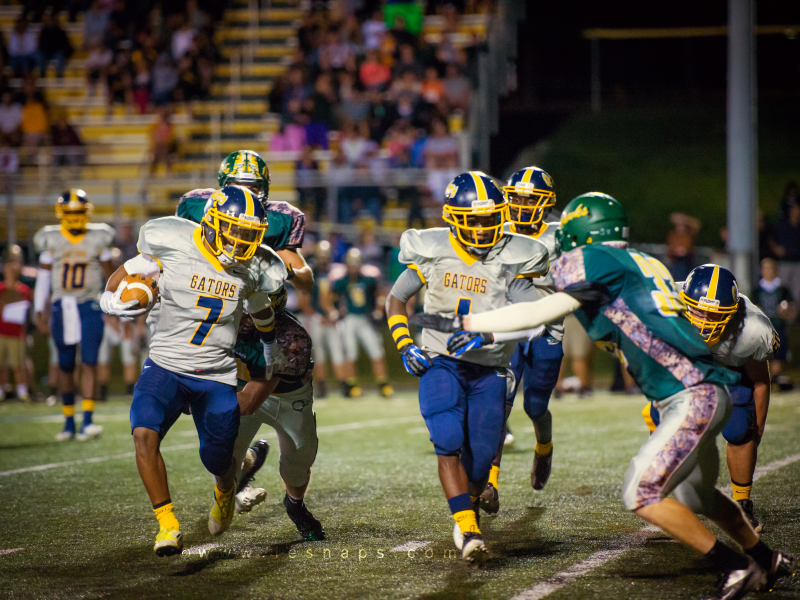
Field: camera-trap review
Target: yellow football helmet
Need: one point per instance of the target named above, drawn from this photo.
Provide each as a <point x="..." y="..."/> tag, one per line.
<point x="73" y="209"/>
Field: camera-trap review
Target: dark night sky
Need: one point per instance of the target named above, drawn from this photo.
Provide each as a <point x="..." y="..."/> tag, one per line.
<point x="553" y="67"/>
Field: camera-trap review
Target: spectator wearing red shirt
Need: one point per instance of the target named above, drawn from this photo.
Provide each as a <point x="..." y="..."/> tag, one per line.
<point x="15" y="300"/>
<point x="372" y="73"/>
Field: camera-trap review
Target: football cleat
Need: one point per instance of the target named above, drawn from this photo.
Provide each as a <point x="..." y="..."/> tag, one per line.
<point x="307" y="526"/>
<point x="64" y="436"/>
<point x="783" y="565"/>
<point x="168" y="542"/>
<point x="51" y="400"/>
<point x="473" y="549"/>
<point x="254" y="459"/>
<point x="540" y="472"/>
<point x="490" y="500"/>
<point x="747" y="507"/>
<point x="221" y="514"/>
<point x="89" y="432"/>
<point x="386" y="390"/>
<point x="737" y="584"/>
<point x="249" y="498"/>
<point x="509" y="439"/>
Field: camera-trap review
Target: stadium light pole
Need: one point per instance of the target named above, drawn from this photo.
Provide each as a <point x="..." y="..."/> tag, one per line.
<point x="742" y="143"/>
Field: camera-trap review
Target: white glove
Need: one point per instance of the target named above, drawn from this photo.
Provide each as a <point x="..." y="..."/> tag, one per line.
<point x="274" y="357"/>
<point x="111" y="304"/>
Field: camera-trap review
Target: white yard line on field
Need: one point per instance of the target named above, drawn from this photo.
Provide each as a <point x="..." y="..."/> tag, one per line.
<point x="411" y="546"/>
<point x="10" y="550"/>
<point x="325" y="429"/>
<point x="559" y="580"/>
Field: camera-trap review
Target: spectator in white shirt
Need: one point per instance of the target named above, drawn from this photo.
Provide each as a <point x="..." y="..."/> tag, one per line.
<point x="182" y="40"/>
<point x="373" y="31"/>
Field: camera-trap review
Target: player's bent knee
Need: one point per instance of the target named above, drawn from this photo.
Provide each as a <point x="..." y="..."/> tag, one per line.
<point x="739" y="429"/>
<point x="216" y="458"/>
<point x="145" y="440"/>
<point x="536" y="403"/>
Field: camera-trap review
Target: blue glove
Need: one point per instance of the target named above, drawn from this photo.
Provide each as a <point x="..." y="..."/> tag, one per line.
<point x="467" y="340"/>
<point x="416" y="361"/>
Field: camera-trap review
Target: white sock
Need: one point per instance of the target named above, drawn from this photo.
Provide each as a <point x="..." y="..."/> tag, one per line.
<point x="22" y="390"/>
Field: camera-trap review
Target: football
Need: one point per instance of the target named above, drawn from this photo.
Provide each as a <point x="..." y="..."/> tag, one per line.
<point x="142" y="289"/>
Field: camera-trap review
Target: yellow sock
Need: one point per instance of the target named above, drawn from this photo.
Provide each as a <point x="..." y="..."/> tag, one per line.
<point x="466" y="521"/>
<point x="220" y="494"/>
<point x="544" y="449"/>
<point x="87" y="405"/>
<point x="166" y="518"/>
<point x="493" y="475"/>
<point x="69" y="410"/>
<point x="741" y="492"/>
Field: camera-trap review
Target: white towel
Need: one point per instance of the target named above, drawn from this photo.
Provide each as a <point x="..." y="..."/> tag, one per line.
<point x="16" y="312"/>
<point x="71" y="319"/>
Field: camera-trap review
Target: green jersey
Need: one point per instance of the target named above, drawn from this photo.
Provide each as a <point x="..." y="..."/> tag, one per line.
<point x="287" y="224"/>
<point x="321" y="287"/>
<point x="630" y="306"/>
<point x="360" y="294"/>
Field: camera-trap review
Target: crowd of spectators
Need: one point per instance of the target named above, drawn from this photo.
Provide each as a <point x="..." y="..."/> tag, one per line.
<point x="136" y="54"/>
<point x="384" y="95"/>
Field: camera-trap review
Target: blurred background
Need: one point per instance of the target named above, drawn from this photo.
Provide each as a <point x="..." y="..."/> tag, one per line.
<point x="364" y="111"/>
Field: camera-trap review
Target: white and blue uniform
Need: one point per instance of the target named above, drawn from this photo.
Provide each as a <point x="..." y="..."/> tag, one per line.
<point x="190" y="361"/>
<point x="748" y="336"/>
<point x="538" y="361"/>
<point x="77" y="282"/>
<point x="462" y="399"/>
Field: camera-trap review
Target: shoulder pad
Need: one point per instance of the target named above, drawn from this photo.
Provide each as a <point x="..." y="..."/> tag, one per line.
<point x="271" y="263"/>
<point x="420" y="245"/>
<point x="520" y="248"/>
<point x="203" y="193"/>
<point x="758" y="337"/>
<point x="102" y="228"/>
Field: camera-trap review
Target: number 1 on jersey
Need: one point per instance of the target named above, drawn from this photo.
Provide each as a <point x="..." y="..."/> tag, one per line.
<point x="214" y="306"/>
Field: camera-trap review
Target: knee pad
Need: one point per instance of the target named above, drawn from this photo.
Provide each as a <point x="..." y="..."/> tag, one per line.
<point x="536" y="401"/>
<point x="216" y="458"/>
<point x="739" y="429"/>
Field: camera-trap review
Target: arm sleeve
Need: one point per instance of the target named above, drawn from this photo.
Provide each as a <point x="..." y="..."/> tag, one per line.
<point x="525" y="334"/>
<point x="42" y="291"/>
<point x="525" y="315"/>
<point x="105" y="254"/>
<point x="143" y="264"/>
<point x="407" y="285"/>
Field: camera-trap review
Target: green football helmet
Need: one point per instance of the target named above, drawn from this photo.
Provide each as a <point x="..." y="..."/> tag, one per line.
<point x="246" y="168"/>
<point x="591" y="218"/>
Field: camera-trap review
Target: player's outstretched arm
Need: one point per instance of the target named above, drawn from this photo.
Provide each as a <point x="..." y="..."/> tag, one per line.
<point x="41" y="293"/>
<point x="525" y="315"/>
<point x="301" y="275"/>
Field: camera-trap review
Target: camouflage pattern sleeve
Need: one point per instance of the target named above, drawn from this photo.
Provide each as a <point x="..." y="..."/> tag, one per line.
<point x="295" y="224"/>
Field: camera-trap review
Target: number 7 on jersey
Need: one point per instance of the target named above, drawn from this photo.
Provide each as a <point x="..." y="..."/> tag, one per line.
<point x="214" y="306"/>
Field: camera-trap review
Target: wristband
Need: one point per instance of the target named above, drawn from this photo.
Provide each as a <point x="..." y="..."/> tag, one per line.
<point x="398" y="325"/>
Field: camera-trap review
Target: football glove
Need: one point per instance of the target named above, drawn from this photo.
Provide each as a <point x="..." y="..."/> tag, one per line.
<point x="463" y="341"/>
<point x="416" y="361"/>
<point x="274" y="358"/>
<point x="110" y="303"/>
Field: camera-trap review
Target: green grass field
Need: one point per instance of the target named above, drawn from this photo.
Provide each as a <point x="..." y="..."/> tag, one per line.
<point x="81" y="526"/>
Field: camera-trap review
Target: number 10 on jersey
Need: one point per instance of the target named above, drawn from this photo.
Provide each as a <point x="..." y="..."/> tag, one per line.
<point x="214" y="307"/>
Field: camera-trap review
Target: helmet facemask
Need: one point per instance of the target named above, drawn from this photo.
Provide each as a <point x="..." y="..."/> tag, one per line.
<point x="258" y="187"/>
<point x="708" y="317"/>
<point x="233" y="238"/>
<point x="477" y="228"/>
<point x="528" y="209"/>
